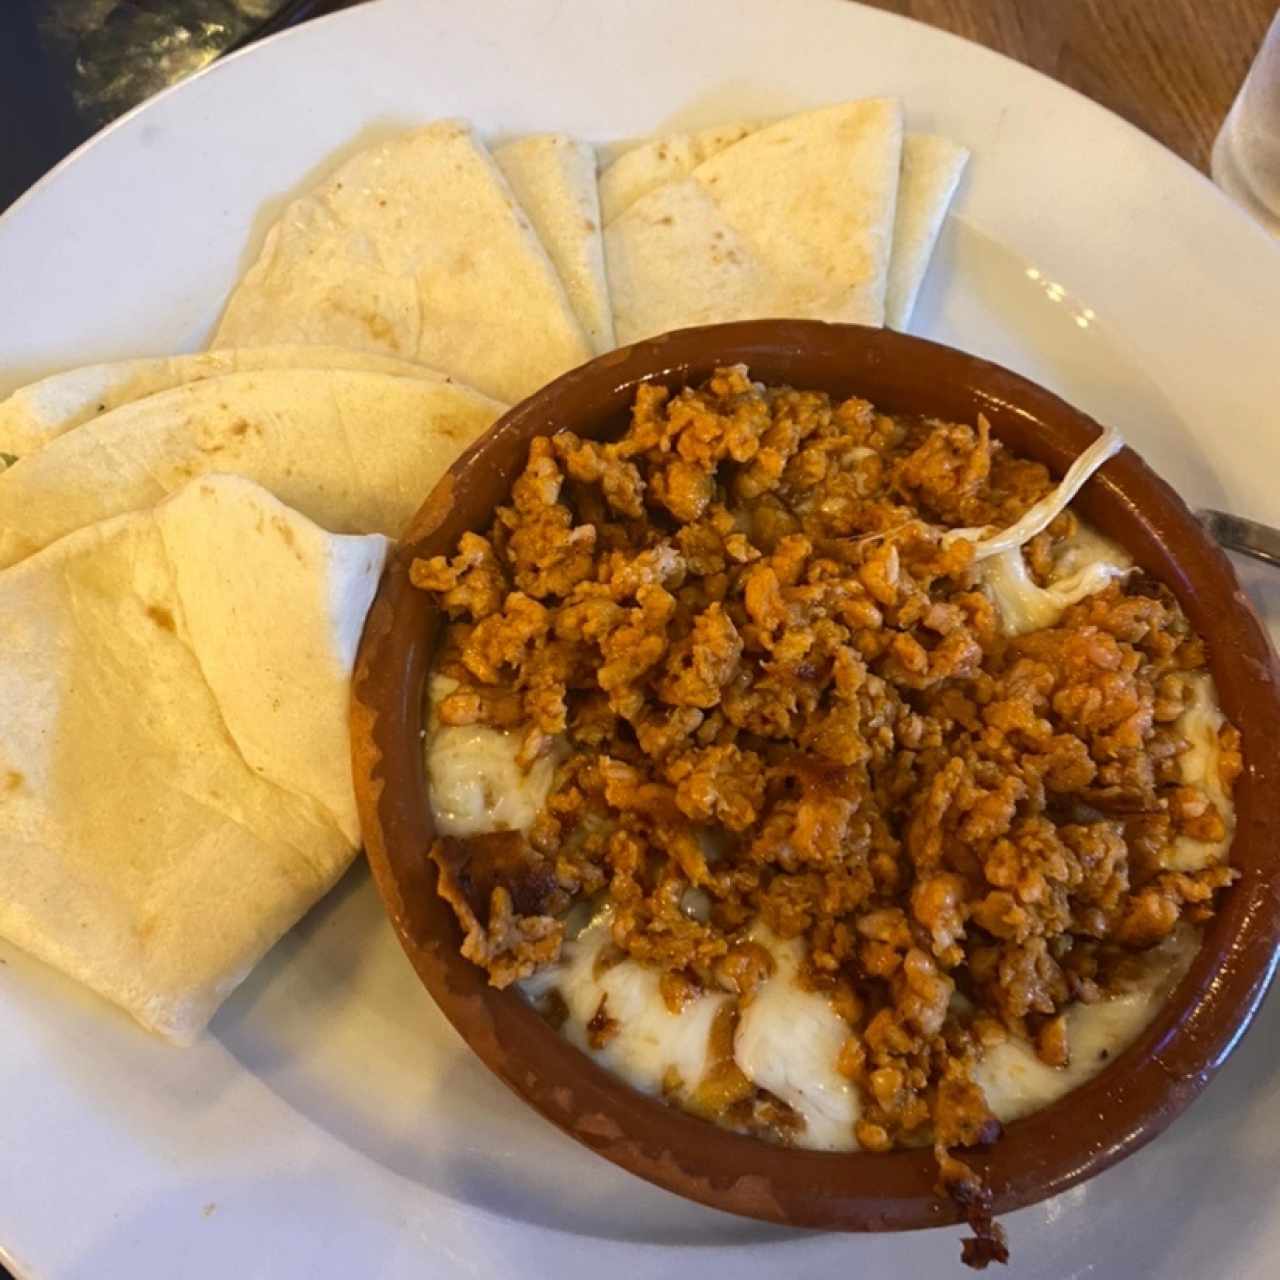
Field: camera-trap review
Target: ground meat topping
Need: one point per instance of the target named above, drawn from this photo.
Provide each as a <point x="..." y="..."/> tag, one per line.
<point x="784" y="688"/>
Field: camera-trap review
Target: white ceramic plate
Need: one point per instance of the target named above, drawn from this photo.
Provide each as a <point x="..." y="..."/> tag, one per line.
<point x="331" y="1123"/>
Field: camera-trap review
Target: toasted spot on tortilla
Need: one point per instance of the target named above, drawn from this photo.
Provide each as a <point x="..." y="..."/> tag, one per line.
<point x="12" y="780"/>
<point x="379" y="328"/>
<point x="452" y="429"/>
<point x="162" y="617"/>
<point x="282" y="527"/>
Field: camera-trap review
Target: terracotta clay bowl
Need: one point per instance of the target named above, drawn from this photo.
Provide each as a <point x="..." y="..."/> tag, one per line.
<point x="1114" y="1114"/>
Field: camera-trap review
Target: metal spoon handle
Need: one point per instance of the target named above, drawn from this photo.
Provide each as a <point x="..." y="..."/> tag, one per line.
<point x="1260" y="541"/>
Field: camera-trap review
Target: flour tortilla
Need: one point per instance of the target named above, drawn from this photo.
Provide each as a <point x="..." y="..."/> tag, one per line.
<point x="554" y="179"/>
<point x="414" y="248"/>
<point x="642" y="168"/>
<point x="34" y="414"/>
<point x="355" y="451"/>
<point x="174" y="779"/>
<point x="793" y="220"/>
<point x="931" y="171"/>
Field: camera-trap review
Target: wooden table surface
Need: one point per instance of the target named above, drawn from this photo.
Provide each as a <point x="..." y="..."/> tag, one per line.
<point x="1172" y="67"/>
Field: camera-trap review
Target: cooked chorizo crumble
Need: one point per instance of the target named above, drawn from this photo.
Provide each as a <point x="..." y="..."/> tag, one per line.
<point x="778" y="684"/>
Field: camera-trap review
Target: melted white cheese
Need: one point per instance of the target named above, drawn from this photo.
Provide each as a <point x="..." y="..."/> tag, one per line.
<point x="1080" y="570"/>
<point x="1017" y="1083"/>
<point x="1084" y="564"/>
<point x="651" y="1039"/>
<point x="1042" y="514"/>
<point x="473" y="781"/>
<point x="789" y="1040"/>
<point x="1201" y="723"/>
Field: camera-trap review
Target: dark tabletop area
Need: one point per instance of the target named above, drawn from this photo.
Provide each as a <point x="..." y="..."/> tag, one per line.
<point x="68" y="67"/>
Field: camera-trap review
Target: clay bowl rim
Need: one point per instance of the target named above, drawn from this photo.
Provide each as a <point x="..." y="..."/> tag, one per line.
<point x="1089" y="1129"/>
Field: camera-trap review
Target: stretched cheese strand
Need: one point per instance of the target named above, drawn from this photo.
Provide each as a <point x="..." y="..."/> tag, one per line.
<point x="1039" y="517"/>
<point x="1024" y="605"/>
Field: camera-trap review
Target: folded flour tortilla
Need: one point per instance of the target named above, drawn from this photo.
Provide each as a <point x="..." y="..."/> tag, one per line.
<point x="415" y="248"/>
<point x="931" y="171"/>
<point x="34" y="414"/>
<point x="355" y="451"/>
<point x="795" y="219"/>
<point x="554" y="179"/>
<point x="175" y="786"/>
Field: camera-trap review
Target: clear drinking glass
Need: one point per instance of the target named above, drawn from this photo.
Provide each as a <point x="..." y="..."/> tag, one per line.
<point x="1246" y="156"/>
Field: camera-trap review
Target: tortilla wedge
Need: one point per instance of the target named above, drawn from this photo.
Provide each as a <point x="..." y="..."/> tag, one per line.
<point x="795" y="219"/>
<point x="34" y="414"/>
<point x="174" y="786"/>
<point x="355" y="451"/>
<point x="414" y="248"/>
<point x="554" y="178"/>
<point x="931" y="172"/>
